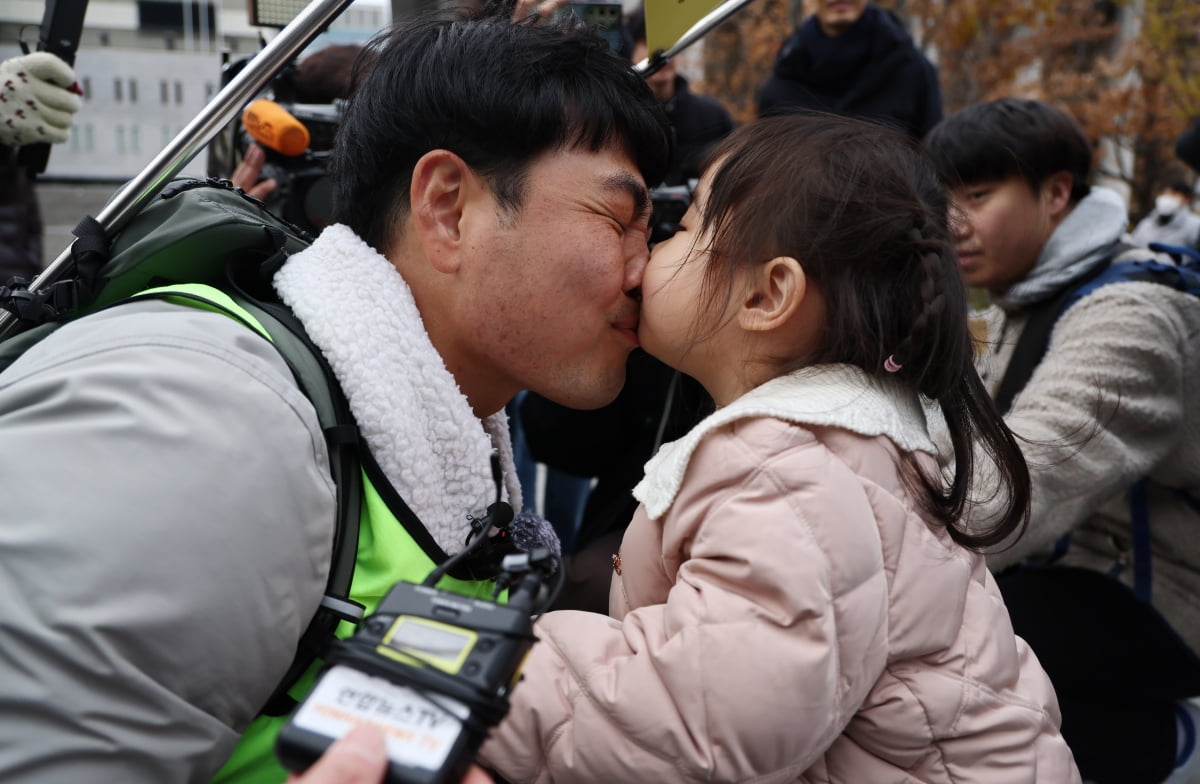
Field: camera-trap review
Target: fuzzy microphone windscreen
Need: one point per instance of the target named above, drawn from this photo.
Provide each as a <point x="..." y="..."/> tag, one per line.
<point x="529" y="531"/>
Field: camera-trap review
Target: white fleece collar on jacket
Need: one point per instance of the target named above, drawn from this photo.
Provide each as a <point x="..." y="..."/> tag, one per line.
<point x="832" y="395"/>
<point x="418" y="424"/>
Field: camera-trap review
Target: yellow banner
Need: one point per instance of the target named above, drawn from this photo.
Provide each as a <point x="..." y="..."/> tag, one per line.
<point x="668" y="20"/>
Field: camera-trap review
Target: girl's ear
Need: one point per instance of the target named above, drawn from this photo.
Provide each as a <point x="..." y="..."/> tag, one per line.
<point x="775" y="293"/>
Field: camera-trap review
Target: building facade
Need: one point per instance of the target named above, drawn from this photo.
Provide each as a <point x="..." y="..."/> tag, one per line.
<point x="148" y="67"/>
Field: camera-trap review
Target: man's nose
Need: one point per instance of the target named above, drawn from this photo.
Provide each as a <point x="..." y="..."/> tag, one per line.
<point x="637" y="255"/>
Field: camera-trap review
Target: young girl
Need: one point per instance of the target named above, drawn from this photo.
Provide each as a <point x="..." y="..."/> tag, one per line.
<point x="796" y="599"/>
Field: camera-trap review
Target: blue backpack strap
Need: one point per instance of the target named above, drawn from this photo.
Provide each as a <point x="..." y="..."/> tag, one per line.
<point x="1183" y="255"/>
<point x="1181" y="277"/>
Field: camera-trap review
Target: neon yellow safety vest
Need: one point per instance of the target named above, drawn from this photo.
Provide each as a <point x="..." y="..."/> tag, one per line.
<point x="386" y="555"/>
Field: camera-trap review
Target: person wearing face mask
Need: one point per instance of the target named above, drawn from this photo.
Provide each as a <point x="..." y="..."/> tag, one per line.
<point x="1172" y="221"/>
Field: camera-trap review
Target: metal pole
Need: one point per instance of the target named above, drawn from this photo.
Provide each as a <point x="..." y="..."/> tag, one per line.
<point x="139" y="191"/>
<point x="694" y="34"/>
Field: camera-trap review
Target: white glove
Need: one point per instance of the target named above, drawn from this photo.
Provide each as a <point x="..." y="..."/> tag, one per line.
<point x="38" y="97"/>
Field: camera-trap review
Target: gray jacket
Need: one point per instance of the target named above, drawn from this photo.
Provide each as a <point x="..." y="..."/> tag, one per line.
<point x="1115" y="399"/>
<point x="164" y="544"/>
<point x="168" y="512"/>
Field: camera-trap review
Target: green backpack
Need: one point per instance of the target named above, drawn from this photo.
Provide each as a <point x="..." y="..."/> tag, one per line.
<point x="209" y="232"/>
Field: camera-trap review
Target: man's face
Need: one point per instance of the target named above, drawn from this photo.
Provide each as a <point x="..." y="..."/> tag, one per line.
<point x="836" y="16"/>
<point x="553" y="303"/>
<point x="999" y="230"/>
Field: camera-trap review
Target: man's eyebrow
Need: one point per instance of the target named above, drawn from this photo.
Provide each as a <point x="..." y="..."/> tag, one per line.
<point x="633" y="186"/>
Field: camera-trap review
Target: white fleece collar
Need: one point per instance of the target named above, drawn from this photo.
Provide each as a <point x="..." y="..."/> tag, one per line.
<point x="416" y="421"/>
<point x="833" y="395"/>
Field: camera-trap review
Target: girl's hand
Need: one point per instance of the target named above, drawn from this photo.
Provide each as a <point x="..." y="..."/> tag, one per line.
<point x="360" y="757"/>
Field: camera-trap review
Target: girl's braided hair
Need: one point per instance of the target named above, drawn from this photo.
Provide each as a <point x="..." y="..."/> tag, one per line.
<point x="861" y="208"/>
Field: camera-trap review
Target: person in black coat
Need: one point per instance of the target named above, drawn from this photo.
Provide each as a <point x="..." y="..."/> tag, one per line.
<point x="854" y="58"/>
<point x="699" y="120"/>
<point x="1187" y="146"/>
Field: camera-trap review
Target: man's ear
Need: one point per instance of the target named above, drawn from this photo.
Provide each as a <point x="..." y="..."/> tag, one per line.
<point x="438" y="193"/>
<point x="776" y="291"/>
<point x="1056" y="193"/>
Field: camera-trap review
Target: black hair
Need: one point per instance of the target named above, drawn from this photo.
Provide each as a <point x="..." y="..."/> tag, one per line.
<point x="325" y="74"/>
<point x="861" y="208"/>
<point x="495" y="92"/>
<point x="1179" y="185"/>
<point x="995" y="140"/>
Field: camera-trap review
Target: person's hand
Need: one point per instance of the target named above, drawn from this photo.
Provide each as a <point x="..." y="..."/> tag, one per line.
<point x="245" y="176"/>
<point x="38" y="99"/>
<point x="360" y="757"/>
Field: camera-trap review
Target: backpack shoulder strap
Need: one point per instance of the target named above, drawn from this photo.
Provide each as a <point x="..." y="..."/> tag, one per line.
<point x="1031" y="346"/>
<point x="315" y="378"/>
<point x="1035" y="338"/>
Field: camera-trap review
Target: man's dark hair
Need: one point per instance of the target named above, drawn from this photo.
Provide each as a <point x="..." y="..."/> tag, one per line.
<point x="992" y="141"/>
<point x="325" y="74"/>
<point x="1179" y="185"/>
<point x="496" y="93"/>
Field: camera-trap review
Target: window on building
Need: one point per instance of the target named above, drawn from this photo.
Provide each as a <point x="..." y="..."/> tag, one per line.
<point x="173" y="16"/>
<point x="164" y="92"/>
<point x="178" y="92"/>
<point x="132" y="90"/>
<point x="87" y="88"/>
<point x="118" y="89"/>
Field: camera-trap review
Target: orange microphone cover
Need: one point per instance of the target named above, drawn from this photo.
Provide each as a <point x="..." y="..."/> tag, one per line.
<point x="272" y="125"/>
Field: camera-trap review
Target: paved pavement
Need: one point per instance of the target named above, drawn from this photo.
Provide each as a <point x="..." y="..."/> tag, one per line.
<point x="63" y="204"/>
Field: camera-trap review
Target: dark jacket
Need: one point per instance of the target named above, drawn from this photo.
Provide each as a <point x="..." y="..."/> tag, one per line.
<point x="1187" y="147"/>
<point x="872" y="71"/>
<point x="613" y="443"/>
<point x="20" y="221"/>
<point x="699" y="122"/>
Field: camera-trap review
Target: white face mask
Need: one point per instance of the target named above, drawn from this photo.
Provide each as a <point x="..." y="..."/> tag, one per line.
<point x="1167" y="204"/>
